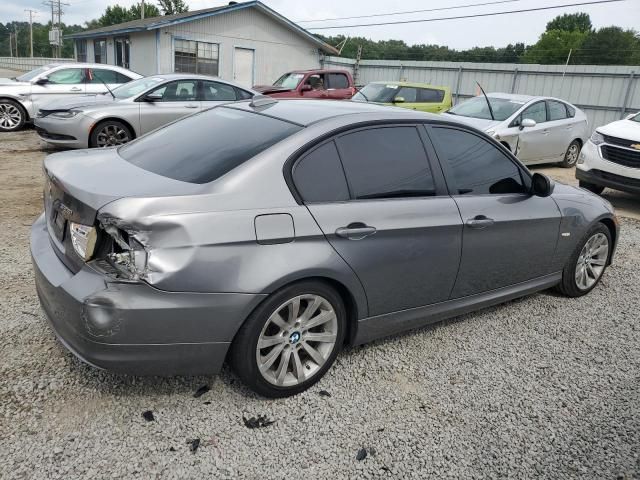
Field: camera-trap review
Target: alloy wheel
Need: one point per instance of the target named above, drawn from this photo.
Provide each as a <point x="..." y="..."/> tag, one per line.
<point x="572" y="154"/>
<point x="297" y="340"/>
<point x="112" y="135"/>
<point x="10" y="116"/>
<point x="592" y="261"/>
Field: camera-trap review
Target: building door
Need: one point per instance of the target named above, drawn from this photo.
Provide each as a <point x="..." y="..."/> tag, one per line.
<point x="122" y="52"/>
<point x="243" y="59"/>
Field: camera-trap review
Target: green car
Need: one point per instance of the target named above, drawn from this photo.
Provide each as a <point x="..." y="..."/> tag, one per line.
<point x="416" y="96"/>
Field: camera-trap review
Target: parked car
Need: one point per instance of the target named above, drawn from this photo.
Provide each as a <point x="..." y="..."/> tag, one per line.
<point x="322" y="84"/>
<point x="331" y="223"/>
<point x="611" y="157"/>
<point x="416" y="96"/>
<point x="131" y="110"/>
<point x="21" y="97"/>
<point x="536" y="129"/>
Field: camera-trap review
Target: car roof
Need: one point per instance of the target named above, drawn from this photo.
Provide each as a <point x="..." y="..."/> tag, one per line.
<point x="515" y="96"/>
<point x="85" y="65"/>
<point x="411" y="84"/>
<point x="194" y="76"/>
<point x="306" y="112"/>
<point x="321" y="70"/>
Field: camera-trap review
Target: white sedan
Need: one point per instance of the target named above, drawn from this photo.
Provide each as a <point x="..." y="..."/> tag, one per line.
<point x="536" y="129"/>
<point x="21" y="97"/>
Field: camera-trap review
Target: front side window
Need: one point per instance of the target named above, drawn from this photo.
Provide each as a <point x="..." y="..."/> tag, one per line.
<point x="478" y="166"/>
<point x="386" y="163"/>
<point x="66" y="76"/>
<point x="203" y="147"/>
<point x="316" y="81"/>
<point x="196" y="57"/>
<point x="100" y="51"/>
<point x="178" y="91"/>
<point x="217" y="92"/>
<point x="409" y="94"/>
<point x="81" y="50"/>
<point x="537" y="112"/>
<point x="557" y="110"/>
<point x="319" y="177"/>
<point x="431" y="95"/>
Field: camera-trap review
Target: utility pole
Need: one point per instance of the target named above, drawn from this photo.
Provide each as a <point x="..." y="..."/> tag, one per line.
<point x="31" y="13"/>
<point x="10" y="45"/>
<point x="142" y="10"/>
<point x="15" y="35"/>
<point x="55" y="39"/>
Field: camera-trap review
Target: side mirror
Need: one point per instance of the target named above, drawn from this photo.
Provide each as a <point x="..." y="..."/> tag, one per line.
<point x="42" y="80"/>
<point x="398" y="100"/>
<point x="527" y="123"/>
<point x="306" y="88"/>
<point x="152" y="97"/>
<point x="541" y="185"/>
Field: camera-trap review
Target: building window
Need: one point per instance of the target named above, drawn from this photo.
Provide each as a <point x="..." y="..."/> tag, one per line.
<point x="100" y="51"/>
<point x="196" y="57"/>
<point x="81" y="50"/>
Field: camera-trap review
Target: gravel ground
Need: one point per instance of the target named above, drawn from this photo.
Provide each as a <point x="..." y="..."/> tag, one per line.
<point x="543" y="387"/>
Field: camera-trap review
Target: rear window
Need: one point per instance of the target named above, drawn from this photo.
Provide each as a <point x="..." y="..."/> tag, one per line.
<point x="202" y="148"/>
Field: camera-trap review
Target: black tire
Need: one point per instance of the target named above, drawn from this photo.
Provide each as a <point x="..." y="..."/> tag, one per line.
<point x="243" y="354"/>
<point x="569" y="286"/>
<point x="96" y="139"/>
<point x="572" y="154"/>
<point x="12" y="116"/>
<point x="592" y="187"/>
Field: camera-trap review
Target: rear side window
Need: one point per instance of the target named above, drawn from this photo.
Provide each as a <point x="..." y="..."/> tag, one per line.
<point x="242" y="94"/>
<point x="99" y="75"/>
<point x="217" y="92"/>
<point x="571" y="112"/>
<point x="203" y="147"/>
<point x="319" y="177"/>
<point x="478" y="166"/>
<point x="338" y="80"/>
<point x="430" y="95"/>
<point x="557" y="110"/>
<point x="385" y="163"/>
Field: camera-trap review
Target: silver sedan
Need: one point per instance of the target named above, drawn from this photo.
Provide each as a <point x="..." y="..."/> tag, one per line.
<point x="536" y="129"/>
<point x="21" y="97"/>
<point x="117" y="117"/>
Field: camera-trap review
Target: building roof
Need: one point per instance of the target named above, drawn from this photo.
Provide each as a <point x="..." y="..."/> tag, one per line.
<point x="153" y="23"/>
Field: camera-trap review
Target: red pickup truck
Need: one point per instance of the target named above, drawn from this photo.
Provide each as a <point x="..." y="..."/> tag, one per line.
<point x="322" y="84"/>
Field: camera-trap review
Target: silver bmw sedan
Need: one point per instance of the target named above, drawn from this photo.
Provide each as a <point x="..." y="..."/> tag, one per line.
<point x="271" y="233"/>
<point x="118" y="116"/>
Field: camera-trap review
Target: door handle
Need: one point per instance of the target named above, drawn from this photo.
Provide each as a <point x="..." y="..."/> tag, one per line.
<point x="191" y="106"/>
<point x="355" y="231"/>
<point x="545" y="132"/>
<point x="480" y="221"/>
<point x="76" y="89"/>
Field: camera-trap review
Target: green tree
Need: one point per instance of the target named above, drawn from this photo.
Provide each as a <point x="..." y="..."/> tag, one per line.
<point x="611" y="46"/>
<point x="150" y="11"/>
<point x="571" y="22"/>
<point x="169" y="7"/>
<point x="117" y="14"/>
<point x="554" y="46"/>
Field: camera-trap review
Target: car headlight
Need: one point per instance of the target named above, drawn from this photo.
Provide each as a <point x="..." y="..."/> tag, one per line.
<point x="83" y="239"/>
<point x="597" y="138"/>
<point x="65" y="114"/>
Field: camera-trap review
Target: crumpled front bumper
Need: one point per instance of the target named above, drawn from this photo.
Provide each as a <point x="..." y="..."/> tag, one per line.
<point x="133" y="327"/>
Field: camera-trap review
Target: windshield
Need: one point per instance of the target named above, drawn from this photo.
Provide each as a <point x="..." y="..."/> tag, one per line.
<point x="377" y="92"/>
<point x="289" y="80"/>
<point x="477" y="107"/>
<point x="203" y="147"/>
<point x="136" y="87"/>
<point x="27" y="77"/>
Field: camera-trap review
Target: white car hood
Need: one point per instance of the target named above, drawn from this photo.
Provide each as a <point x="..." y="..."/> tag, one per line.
<point x="8" y="82"/>
<point x="627" y="129"/>
<point x="479" y="123"/>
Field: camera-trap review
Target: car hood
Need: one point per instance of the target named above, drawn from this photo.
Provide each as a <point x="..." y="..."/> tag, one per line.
<point x="479" y="123"/>
<point x="78" y="102"/>
<point x="627" y="129"/>
<point x="9" y="82"/>
<point x="271" y="89"/>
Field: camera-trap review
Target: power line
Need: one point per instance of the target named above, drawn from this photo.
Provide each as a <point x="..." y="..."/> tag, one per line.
<point x="410" y="11"/>
<point x="537" y="9"/>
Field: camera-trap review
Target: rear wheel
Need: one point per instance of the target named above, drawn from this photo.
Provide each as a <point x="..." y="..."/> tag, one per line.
<point x="12" y="116"/>
<point x="588" y="262"/>
<point x="110" y="134"/>
<point x="592" y="187"/>
<point x="291" y="340"/>
<point x="571" y="155"/>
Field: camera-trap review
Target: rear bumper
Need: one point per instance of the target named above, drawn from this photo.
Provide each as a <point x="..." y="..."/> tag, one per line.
<point x="134" y="328"/>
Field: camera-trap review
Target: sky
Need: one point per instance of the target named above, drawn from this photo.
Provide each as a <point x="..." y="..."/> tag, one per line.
<point x="495" y="31"/>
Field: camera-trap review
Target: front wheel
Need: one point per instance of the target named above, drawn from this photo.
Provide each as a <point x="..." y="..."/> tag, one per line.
<point x="290" y="341"/>
<point x="587" y="264"/>
<point x="12" y="116"/>
<point x="571" y="155"/>
<point x="110" y="134"/>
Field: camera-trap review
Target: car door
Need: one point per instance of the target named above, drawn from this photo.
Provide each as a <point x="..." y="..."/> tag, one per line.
<point x="386" y="212"/>
<point x="406" y="97"/>
<point x="339" y="88"/>
<point x="560" y="129"/>
<point x="430" y="100"/>
<point x="509" y="235"/>
<point x="215" y="93"/>
<point x="533" y="142"/>
<point x="96" y="78"/>
<point x="177" y="99"/>
<point x="60" y="84"/>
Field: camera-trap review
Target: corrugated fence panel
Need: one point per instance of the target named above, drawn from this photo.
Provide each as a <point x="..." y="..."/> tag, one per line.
<point x="605" y="92"/>
<point x="23" y="64"/>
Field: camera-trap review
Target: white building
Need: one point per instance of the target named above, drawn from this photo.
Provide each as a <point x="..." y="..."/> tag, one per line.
<point x="247" y="42"/>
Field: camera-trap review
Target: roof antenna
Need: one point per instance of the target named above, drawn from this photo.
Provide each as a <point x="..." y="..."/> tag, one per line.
<point x="487" y="99"/>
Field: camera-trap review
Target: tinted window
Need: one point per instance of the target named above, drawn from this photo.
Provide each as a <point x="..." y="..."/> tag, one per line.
<point x="385" y="162"/>
<point x="203" y="147"/>
<point x="557" y="110"/>
<point x="180" y="91"/>
<point x="338" y="80"/>
<point x="319" y="177"/>
<point x="431" y="95"/>
<point x="217" y="92"/>
<point x="66" y="76"/>
<point x="537" y="112"/>
<point x="106" y="76"/>
<point x="243" y="94"/>
<point x="478" y="166"/>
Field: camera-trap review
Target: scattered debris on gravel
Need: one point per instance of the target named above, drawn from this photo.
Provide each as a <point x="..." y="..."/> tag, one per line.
<point x="260" y="421"/>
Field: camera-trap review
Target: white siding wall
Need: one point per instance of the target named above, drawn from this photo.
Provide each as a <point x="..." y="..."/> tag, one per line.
<point x="142" y="53"/>
<point x="278" y="49"/>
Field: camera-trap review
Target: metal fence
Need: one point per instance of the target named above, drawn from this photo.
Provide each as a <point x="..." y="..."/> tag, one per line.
<point x="24" y="64"/>
<point x="604" y="92"/>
